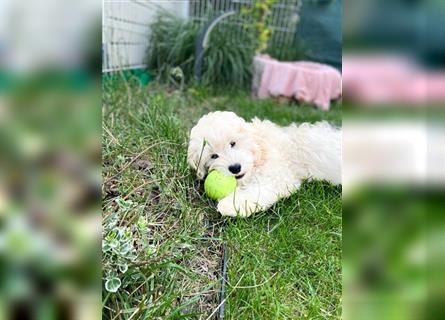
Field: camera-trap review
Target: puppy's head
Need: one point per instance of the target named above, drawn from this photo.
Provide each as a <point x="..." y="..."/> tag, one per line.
<point x="224" y="141"/>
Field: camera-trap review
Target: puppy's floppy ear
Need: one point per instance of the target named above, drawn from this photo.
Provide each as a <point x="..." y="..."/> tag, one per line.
<point x="259" y="147"/>
<point x="194" y="156"/>
<point x="260" y="151"/>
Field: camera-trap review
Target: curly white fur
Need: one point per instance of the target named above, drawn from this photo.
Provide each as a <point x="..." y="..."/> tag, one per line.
<point x="274" y="160"/>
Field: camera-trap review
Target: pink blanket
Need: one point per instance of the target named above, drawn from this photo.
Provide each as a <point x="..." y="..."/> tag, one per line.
<point x="305" y="81"/>
<point x="385" y="79"/>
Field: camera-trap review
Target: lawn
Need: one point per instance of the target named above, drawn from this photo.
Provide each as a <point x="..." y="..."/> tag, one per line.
<point x="163" y="238"/>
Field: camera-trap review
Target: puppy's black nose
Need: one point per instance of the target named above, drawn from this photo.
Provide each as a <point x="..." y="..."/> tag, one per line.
<point x="235" y="168"/>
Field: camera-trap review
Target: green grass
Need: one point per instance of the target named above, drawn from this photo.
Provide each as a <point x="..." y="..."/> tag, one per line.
<point x="282" y="264"/>
<point x="292" y="254"/>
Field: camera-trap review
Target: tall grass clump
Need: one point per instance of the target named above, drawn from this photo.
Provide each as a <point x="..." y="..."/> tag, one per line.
<point x="172" y="44"/>
<point x="227" y="59"/>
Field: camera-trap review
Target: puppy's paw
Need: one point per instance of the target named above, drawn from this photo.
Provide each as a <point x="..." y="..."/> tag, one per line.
<point x="228" y="207"/>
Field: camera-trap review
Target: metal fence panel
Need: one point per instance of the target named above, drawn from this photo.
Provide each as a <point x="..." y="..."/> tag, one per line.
<point x="126" y="30"/>
<point x="283" y="20"/>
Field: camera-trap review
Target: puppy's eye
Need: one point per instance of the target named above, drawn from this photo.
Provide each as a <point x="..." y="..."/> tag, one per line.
<point x="214" y="156"/>
<point x="232" y="144"/>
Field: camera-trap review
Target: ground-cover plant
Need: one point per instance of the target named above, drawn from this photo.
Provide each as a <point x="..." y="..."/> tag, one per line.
<point x="162" y="237"/>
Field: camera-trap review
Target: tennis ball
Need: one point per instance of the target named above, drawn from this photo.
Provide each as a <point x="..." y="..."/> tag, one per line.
<point x="217" y="185"/>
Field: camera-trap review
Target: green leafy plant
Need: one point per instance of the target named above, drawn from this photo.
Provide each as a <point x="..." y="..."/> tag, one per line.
<point x="227" y="59"/>
<point x="122" y="246"/>
<point x="171" y="45"/>
<point x="282" y="47"/>
<point x="259" y="14"/>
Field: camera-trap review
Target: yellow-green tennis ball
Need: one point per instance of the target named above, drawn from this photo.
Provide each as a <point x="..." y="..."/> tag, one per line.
<point x="217" y="185"/>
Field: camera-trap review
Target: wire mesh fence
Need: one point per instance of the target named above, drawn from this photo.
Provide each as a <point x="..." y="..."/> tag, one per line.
<point x="126" y="25"/>
<point x="124" y="34"/>
<point x="126" y="30"/>
<point x="283" y="19"/>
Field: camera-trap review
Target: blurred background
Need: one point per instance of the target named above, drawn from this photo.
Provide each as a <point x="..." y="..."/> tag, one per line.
<point x="50" y="126"/>
<point x="393" y="159"/>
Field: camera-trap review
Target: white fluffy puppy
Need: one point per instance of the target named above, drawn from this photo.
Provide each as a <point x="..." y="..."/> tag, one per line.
<point x="268" y="161"/>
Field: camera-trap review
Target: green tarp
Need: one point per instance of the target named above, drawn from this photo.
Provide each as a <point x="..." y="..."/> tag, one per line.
<point x="320" y="32"/>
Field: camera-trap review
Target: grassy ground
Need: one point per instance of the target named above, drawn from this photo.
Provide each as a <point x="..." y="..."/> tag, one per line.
<point x="163" y="238"/>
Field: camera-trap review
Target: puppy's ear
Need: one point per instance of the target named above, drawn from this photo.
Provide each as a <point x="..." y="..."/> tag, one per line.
<point x="194" y="157"/>
<point x="192" y="154"/>
<point x="259" y="146"/>
<point x="260" y="151"/>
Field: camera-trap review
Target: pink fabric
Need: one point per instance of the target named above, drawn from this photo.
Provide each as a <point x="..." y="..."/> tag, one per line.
<point x="306" y="81"/>
<point x="391" y="79"/>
